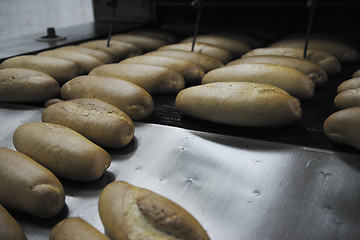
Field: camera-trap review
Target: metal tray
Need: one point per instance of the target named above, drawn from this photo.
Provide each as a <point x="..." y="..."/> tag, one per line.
<point x="237" y="188"/>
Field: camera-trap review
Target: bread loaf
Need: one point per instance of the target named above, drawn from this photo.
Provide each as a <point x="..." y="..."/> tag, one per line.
<point x="133" y="213"/>
<point x="100" y="122"/>
<point x="128" y="97"/>
<point x="191" y="72"/>
<point x="292" y="81"/>
<point x="205" y="61"/>
<point x="87" y="62"/>
<point x="29" y="187"/>
<point x="344" y="127"/>
<point x="154" y="79"/>
<point x="145" y="43"/>
<point x="120" y="50"/>
<point x="62" y="150"/>
<point x="75" y="228"/>
<point x="351" y="83"/>
<point x="235" y="46"/>
<point x="25" y="85"/>
<point x="312" y="70"/>
<point x="220" y="54"/>
<point x="348" y="98"/>
<point x="101" y="55"/>
<point x="240" y="104"/>
<point x="60" y="69"/>
<point x="9" y="227"/>
<point x="325" y="60"/>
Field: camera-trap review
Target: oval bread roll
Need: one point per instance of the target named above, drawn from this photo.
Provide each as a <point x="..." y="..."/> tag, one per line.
<point x="101" y="55"/>
<point x="205" y="61"/>
<point x="29" y="187"/>
<point x="128" y="97"/>
<point x="9" y="227"/>
<point x="25" y="85"/>
<point x="60" y="69"/>
<point x="145" y="43"/>
<point x="101" y="122"/>
<point x="312" y="70"/>
<point x="325" y="60"/>
<point x="130" y="212"/>
<point x="120" y="50"/>
<point x="351" y="83"/>
<point x="234" y="46"/>
<point x="75" y="228"/>
<point x="154" y="79"/>
<point x="342" y="51"/>
<point x="344" y="127"/>
<point x="240" y="104"/>
<point x="155" y="32"/>
<point x="348" y="98"/>
<point x="356" y="73"/>
<point x="220" y="54"/>
<point x="87" y="62"/>
<point x="292" y="81"/>
<point x="62" y="150"/>
<point x="191" y="72"/>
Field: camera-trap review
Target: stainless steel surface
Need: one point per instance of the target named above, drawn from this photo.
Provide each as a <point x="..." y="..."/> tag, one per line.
<point x="237" y="188"/>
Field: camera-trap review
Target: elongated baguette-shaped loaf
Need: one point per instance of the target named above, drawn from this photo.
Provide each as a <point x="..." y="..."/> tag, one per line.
<point x="220" y="54"/>
<point x="9" y="227"/>
<point x="60" y="69"/>
<point x="120" y="50"/>
<point x="101" y="122"/>
<point x="29" y="187"/>
<point x="235" y="46"/>
<point x="342" y="51"/>
<point x="348" y="98"/>
<point x="240" y="104"/>
<point x="128" y="97"/>
<point x="325" y="60"/>
<point x="101" y="55"/>
<point x="191" y="72"/>
<point x="344" y="127"/>
<point x="312" y="70"/>
<point x="351" y="83"/>
<point x="292" y="81"/>
<point x="155" y="32"/>
<point x="87" y="62"/>
<point x="62" y="150"/>
<point x="75" y="228"/>
<point x="132" y="213"/>
<point x="154" y="79"/>
<point x="145" y="43"/>
<point x="25" y="85"/>
<point x="205" y="61"/>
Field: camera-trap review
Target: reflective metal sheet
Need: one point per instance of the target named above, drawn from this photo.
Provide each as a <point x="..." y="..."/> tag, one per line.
<point x="237" y="188"/>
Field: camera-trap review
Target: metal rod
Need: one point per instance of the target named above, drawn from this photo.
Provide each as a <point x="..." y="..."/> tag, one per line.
<point x="196" y="4"/>
<point x="113" y="6"/>
<point x="311" y="4"/>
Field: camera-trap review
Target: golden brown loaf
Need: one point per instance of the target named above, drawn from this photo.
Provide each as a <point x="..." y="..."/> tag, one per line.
<point x="145" y="43"/>
<point x="29" y="187"/>
<point x="292" y="81"/>
<point x="9" y="227"/>
<point x="154" y="79"/>
<point x="63" y="151"/>
<point x="100" y="122"/>
<point x="75" y="228"/>
<point x="132" y="213"/>
<point x="312" y="70"/>
<point x="128" y="97"/>
<point x="101" y="55"/>
<point x="240" y="104"/>
<point x="61" y="70"/>
<point x="344" y="127"/>
<point x="25" y="85"/>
